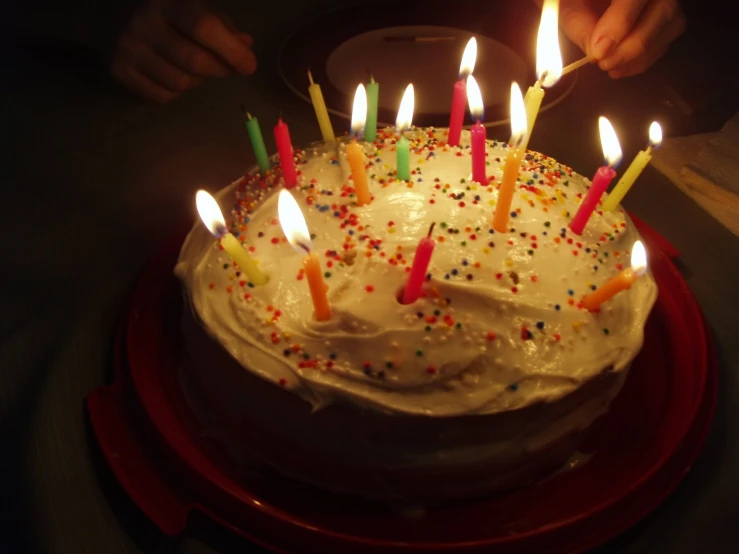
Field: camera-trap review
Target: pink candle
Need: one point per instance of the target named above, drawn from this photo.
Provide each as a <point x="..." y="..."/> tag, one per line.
<point x="420" y="266"/>
<point x="456" y="119"/>
<point x="479" y="133"/>
<point x="459" y="100"/>
<point x="479" y="136"/>
<point x="602" y="178"/>
<point x="285" y="150"/>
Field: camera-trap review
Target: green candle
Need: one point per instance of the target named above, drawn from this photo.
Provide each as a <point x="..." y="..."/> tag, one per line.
<point x="370" y="126"/>
<point x="404" y="163"/>
<point x="403" y="122"/>
<point x="257" y="143"/>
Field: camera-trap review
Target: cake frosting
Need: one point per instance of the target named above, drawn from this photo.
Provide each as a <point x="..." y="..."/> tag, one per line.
<point x="498" y="327"/>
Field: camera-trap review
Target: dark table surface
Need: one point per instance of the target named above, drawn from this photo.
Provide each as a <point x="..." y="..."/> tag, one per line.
<point x="94" y="179"/>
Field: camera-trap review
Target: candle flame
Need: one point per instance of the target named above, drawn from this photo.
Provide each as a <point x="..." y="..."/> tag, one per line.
<point x="655" y="134"/>
<point x="359" y="110"/>
<point x="519" y="125"/>
<point x="468" y="59"/>
<point x="210" y="213"/>
<point x="474" y="97"/>
<point x="638" y="258"/>
<point x="405" y="112"/>
<point x="548" y="54"/>
<point x="609" y="141"/>
<point x="292" y="222"/>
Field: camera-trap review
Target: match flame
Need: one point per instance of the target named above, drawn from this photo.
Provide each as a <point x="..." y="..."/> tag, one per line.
<point x="359" y="110"/>
<point x="548" y="54"/>
<point x="292" y="222"/>
<point x="519" y="125"/>
<point x="210" y="213"/>
<point x="468" y="59"/>
<point x="405" y="112"/>
<point x="474" y="97"/>
<point x="655" y="134"/>
<point x="638" y="258"/>
<point x="609" y="141"/>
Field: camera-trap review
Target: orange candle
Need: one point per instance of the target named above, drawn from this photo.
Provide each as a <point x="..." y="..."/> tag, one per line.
<point x="512" y="162"/>
<point x="296" y="230"/>
<point x="356" y="158"/>
<point x="354" y="152"/>
<point x="620" y="282"/>
<point x="318" y="288"/>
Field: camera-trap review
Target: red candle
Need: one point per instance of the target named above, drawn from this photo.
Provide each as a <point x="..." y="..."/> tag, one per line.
<point x="420" y="267"/>
<point x="457" y="117"/>
<point x="479" y="133"/>
<point x="459" y="100"/>
<point x="285" y="150"/>
<point x="602" y="178"/>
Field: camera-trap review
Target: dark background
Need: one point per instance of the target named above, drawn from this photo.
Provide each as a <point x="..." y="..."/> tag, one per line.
<point x="93" y="180"/>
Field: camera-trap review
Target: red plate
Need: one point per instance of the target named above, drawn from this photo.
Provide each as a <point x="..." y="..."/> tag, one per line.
<point x="643" y="449"/>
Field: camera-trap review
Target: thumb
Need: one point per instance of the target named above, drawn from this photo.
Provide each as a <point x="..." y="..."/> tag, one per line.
<point x="578" y="20"/>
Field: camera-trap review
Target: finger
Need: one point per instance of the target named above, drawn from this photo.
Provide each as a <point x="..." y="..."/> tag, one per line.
<point x="658" y="26"/>
<point x="139" y="84"/>
<point x="246" y="39"/>
<point x="578" y="21"/>
<point x="173" y="46"/>
<point x="615" y="24"/>
<point x="209" y="31"/>
<point x="658" y="49"/>
<point x="155" y="67"/>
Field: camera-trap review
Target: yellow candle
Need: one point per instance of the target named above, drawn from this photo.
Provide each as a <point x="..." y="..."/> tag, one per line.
<point x="244" y="261"/>
<point x="507" y="187"/>
<point x="319" y="106"/>
<point x="512" y="161"/>
<point x="620" y="282"/>
<point x="532" y="101"/>
<point x="318" y="287"/>
<point x="635" y="169"/>
<point x="296" y="230"/>
<point x="356" y="158"/>
<point x="548" y="62"/>
<point x="212" y="217"/>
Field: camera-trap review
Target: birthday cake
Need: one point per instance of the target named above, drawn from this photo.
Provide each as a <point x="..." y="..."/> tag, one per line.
<point x="489" y="380"/>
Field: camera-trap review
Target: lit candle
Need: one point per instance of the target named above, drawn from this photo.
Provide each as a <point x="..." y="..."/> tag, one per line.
<point x="479" y="134"/>
<point x="603" y="176"/>
<point x="620" y="282"/>
<point x="296" y="230"/>
<point x="212" y="218"/>
<point x="354" y="152"/>
<point x="373" y="95"/>
<point x="635" y="169"/>
<point x="403" y="122"/>
<point x="419" y="269"/>
<point x="285" y="150"/>
<point x="512" y="161"/>
<point x="257" y="143"/>
<point x="459" y="99"/>
<point x="548" y="62"/>
<point x="316" y="96"/>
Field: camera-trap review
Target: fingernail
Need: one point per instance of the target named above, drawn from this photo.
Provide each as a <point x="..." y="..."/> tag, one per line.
<point x="602" y="46"/>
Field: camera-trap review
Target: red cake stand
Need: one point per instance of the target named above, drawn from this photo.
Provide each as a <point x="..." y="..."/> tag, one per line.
<point x="644" y="447"/>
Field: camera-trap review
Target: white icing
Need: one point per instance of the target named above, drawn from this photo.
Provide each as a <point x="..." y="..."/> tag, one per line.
<point x="472" y="374"/>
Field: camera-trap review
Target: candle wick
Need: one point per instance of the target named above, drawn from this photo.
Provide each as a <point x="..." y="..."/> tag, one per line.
<point x="431" y="229"/>
<point x="310" y="77"/>
<point x="248" y="116"/>
<point x="303" y="246"/>
<point x="372" y="77"/>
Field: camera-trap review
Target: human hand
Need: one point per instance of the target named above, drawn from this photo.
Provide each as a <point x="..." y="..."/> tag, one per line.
<point x="625" y="37"/>
<point x="169" y="46"/>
